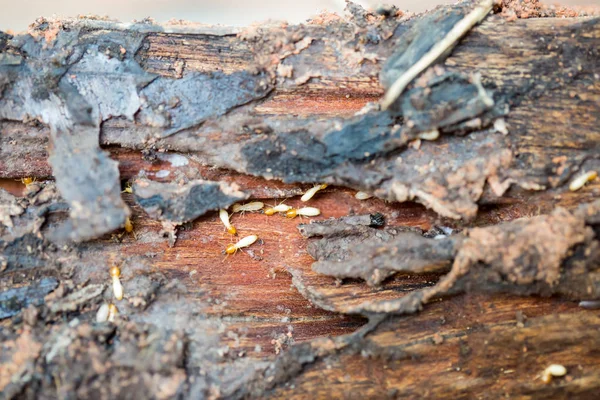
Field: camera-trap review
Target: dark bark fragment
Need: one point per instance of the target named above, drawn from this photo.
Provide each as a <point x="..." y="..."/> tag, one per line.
<point x="78" y="90"/>
<point x="179" y="204"/>
<point x="42" y="90"/>
<point x="555" y="254"/>
<point x="419" y="38"/>
<point x="89" y="181"/>
<point x="344" y="225"/>
<point x="77" y="300"/>
<point x="13" y="301"/>
<point x="374" y="255"/>
<point x="175" y="105"/>
<point x="23" y="252"/>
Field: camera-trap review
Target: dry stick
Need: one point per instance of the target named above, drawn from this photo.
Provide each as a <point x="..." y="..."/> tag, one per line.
<point x="462" y="27"/>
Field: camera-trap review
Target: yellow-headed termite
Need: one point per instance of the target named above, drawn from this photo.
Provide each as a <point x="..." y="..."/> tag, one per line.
<point x="304" y="211"/>
<point x="245" y="242"/>
<point x="362" y="195"/>
<point x="312" y="191"/>
<point x="112" y="312"/>
<point x="102" y="314"/>
<point x="129" y="227"/>
<point x="277" y="209"/>
<point x="115" y="273"/>
<point x="252" y="206"/>
<point x="128" y="188"/>
<point x="582" y="179"/>
<point x="27" y="180"/>
<point x="224" y="215"/>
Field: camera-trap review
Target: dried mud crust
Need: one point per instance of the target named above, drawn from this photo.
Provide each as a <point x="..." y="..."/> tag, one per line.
<point x="554" y="254"/>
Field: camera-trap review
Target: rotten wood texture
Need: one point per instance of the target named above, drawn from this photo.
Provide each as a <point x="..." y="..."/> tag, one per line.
<point x="233" y="315"/>
<point x="180" y="106"/>
<point x="537" y="73"/>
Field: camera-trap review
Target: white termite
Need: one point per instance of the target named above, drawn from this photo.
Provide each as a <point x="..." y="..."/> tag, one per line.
<point x="312" y="191"/>
<point x="244" y="242"/>
<point x="277" y="209"/>
<point x="304" y="211"/>
<point x="224" y="215"/>
<point x="553" y="370"/>
<point x="252" y="206"/>
<point x="429" y="135"/>
<point x="102" y="314"/>
<point x="582" y="179"/>
<point x="112" y="312"/>
<point x="362" y="195"/>
<point x="115" y="273"/>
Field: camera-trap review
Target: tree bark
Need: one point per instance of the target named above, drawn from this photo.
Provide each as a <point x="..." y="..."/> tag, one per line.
<point x="198" y="118"/>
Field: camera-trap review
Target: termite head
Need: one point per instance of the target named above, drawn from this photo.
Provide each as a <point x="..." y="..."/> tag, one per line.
<point x="269" y="211"/>
<point x="230" y="249"/>
<point x="115" y="272"/>
<point x="231" y="229"/>
<point x="27" y="180"/>
<point x="291" y="213"/>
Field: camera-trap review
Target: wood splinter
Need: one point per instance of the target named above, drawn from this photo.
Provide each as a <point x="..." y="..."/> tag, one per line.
<point x="458" y="31"/>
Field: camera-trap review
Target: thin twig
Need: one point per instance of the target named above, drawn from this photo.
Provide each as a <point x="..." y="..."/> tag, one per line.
<point x="462" y="27"/>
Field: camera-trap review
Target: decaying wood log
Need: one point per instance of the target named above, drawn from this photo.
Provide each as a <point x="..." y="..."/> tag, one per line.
<point x="495" y="258"/>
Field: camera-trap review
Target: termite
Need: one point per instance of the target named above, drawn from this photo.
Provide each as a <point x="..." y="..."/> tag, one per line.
<point x="245" y="242"/>
<point x="224" y="215"/>
<point x="362" y="196"/>
<point x="553" y="370"/>
<point x="252" y="206"/>
<point x="312" y="191"/>
<point x="115" y="273"/>
<point x="128" y="188"/>
<point x="112" y="312"/>
<point x="129" y="227"/>
<point x="102" y="314"/>
<point x="277" y="209"/>
<point x="27" y="180"/>
<point x="582" y="179"/>
<point x="304" y="211"/>
<point x="429" y="135"/>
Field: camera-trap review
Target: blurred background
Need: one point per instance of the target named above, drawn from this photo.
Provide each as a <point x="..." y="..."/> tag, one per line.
<point x="17" y="16"/>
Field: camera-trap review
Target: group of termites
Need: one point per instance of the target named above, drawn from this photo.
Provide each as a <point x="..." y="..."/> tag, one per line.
<point x="254" y="206"/>
<point x="108" y="311"/>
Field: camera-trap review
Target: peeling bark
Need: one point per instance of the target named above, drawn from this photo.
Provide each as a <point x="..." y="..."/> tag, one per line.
<point x="174" y="205"/>
<point x="170" y="103"/>
<point x="546" y="255"/>
<point x="539" y="59"/>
